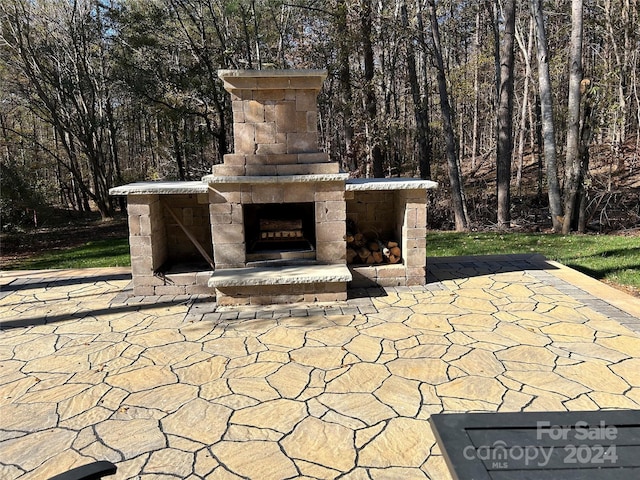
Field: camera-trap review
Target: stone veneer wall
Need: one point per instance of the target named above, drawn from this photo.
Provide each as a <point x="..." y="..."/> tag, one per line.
<point x="227" y="226"/>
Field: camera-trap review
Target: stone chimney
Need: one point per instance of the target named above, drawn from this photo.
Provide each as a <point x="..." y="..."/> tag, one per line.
<point x="275" y="120"/>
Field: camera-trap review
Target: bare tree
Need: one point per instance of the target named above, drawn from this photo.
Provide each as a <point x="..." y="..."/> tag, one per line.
<point x="420" y="103"/>
<point x="371" y="106"/>
<point x="546" y="107"/>
<point x="505" y="116"/>
<point x="57" y="51"/>
<point x="574" y="172"/>
<point x="453" y="162"/>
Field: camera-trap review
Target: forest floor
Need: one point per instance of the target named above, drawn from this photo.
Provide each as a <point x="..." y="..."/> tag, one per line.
<point x="613" y="188"/>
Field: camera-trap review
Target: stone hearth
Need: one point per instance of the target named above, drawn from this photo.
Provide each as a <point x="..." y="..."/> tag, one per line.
<point x="271" y="219"/>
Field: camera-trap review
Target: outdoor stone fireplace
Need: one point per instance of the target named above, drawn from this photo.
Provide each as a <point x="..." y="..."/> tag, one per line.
<point x="276" y="210"/>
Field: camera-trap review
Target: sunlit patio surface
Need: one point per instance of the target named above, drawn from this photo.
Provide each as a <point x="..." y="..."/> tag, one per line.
<point x="176" y="387"/>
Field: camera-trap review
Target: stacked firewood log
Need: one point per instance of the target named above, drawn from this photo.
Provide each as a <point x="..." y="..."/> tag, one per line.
<point x="370" y="250"/>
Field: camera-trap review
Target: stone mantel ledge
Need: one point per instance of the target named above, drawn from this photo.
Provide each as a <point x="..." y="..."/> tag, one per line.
<point x="270" y="79"/>
<point x="252" y="179"/>
<point x="352" y="184"/>
<point x="367" y="184"/>
<point x="160" y="188"/>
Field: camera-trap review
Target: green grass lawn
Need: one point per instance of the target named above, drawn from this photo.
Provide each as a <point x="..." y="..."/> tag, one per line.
<point x="98" y="253"/>
<point x="612" y="258"/>
<point x="605" y="257"/>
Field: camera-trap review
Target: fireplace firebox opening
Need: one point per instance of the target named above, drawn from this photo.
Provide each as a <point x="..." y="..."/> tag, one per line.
<point x="280" y="228"/>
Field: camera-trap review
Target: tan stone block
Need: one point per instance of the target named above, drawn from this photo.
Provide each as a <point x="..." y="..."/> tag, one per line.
<point x="416" y="271"/>
<point x="145" y="225"/>
<point x="312" y="83"/>
<point x="415" y="257"/>
<point x="269" y="83"/>
<point x="141" y="266"/>
<point x="299" y="192"/>
<point x="199" y="290"/>
<point x="330" y="231"/>
<point x="271" y="149"/>
<point x="229" y="257"/>
<point x="242" y="94"/>
<point x="415" y="233"/>
<point x="134" y="224"/>
<point x="228" y="170"/>
<point x="228" y="235"/>
<point x="139" y="250"/>
<point x="143" y="241"/>
<point x="322" y="168"/>
<point x="270" y="113"/>
<point x="261" y="170"/>
<point x="302" y="142"/>
<point x="412" y="243"/>
<point x="282" y="159"/>
<point x="331" y="252"/>
<point x="269" y="94"/>
<point x="144" y="290"/>
<point x="330" y="191"/>
<point x="285" y="117"/>
<point x="332" y="297"/>
<point x="242" y="83"/>
<point x="220" y="219"/>
<point x="140" y="204"/>
<point x="306" y="100"/>
<point x="266" y="133"/>
<point x="234" y="159"/>
<point x="238" y="116"/>
<point x="315" y="157"/>
<point x="253" y="111"/>
<point x="391" y="271"/>
<point x="244" y="138"/>
<point x="220" y="208"/>
<point x="267" y="193"/>
<point x="331" y="211"/>
<point x="295" y="169"/>
<point x="312" y="121"/>
<point x="410" y="218"/>
<point x="391" y="281"/>
<point x="301" y="122"/>
<point x="171" y="290"/>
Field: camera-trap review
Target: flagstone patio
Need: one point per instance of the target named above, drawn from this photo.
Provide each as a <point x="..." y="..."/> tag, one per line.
<point x="176" y="387"/>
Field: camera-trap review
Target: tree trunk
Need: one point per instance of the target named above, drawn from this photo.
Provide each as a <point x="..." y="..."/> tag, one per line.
<point x="344" y="74"/>
<point x="505" y="116"/>
<point x="546" y="112"/>
<point x="419" y="105"/>
<point x="453" y="162"/>
<point x="526" y="54"/>
<point x="574" y="174"/>
<point x="476" y="91"/>
<point x="370" y="95"/>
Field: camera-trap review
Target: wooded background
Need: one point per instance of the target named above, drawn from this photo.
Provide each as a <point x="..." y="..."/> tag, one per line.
<point x="95" y="94"/>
